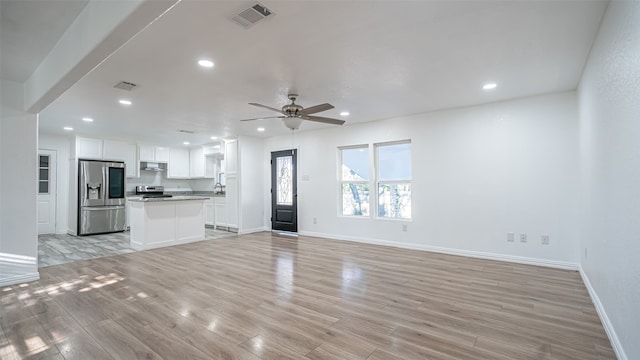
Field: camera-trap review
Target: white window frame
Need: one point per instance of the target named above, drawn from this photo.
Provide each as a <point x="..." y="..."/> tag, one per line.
<point x="377" y="182"/>
<point x="341" y="181"/>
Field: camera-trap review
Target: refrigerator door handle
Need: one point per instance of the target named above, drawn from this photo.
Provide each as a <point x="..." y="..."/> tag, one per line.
<point x="105" y="183"/>
<point x="102" y="208"/>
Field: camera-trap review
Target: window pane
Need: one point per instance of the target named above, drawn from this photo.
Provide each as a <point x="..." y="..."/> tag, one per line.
<point x="394" y="200"/>
<point x="355" y="164"/>
<point x="394" y="162"/>
<point x="44" y="174"/>
<point x="44" y="161"/>
<point x="284" y="185"/>
<point x="355" y="199"/>
<point x="43" y="187"/>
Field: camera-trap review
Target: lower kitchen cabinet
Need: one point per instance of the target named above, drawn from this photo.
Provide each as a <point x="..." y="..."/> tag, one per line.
<point x="221" y="213"/>
<point x="209" y="212"/>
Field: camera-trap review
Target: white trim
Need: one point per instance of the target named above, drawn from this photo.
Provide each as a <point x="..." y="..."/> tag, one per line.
<point x="475" y="254"/>
<point x="254" y="230"/>
<point x="606" y="323"/>
<point x="19" y="279"/>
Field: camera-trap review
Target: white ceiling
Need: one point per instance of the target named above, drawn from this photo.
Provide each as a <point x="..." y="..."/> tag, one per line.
<point x="376" y="60"/>
<point x="29" y="30"/>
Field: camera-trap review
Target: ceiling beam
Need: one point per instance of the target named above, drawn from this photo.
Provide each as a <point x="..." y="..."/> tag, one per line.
<point x="101" y="28"/>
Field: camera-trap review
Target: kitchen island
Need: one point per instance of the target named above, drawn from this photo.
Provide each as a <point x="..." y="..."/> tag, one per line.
<point x="159" y="222"/>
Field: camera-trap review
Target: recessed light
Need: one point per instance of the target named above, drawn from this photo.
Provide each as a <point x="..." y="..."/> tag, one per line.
<point x="186" y="143"/>
<point x="125" y="102"/>
<point x="214" y="138"/>
<point x="261" y="129"/>
<point x="489" y="86"/>
<point x="205" y="63"/>
<point x="344" y="113"/>
<point x="87" y="119"/>
<point x="68" y="128"/>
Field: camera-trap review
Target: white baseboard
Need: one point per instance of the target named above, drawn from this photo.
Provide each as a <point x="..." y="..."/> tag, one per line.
<point x="254" y="230"/>
<point x="608" y="327"/>
<point x="18" y="279"/>
<point x="475" y="254"/>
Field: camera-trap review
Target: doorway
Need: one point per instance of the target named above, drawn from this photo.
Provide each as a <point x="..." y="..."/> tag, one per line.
<point x="284" y="191"/>
<point x="46" y="191"/>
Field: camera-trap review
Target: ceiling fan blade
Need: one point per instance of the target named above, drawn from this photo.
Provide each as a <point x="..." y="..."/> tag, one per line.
<point x="317" y="109"/>
<point x="266" y="107"/>
<point x="325" y="120"/>
<point x="268" y="117"/>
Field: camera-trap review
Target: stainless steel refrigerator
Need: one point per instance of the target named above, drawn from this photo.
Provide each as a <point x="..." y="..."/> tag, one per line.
<point x="101" y="197"/>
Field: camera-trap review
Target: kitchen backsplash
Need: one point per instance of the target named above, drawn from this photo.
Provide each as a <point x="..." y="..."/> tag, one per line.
<point x="158" y="178"/>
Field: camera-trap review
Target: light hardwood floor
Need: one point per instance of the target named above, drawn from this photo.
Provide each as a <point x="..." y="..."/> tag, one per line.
<point x="260" y="296"/>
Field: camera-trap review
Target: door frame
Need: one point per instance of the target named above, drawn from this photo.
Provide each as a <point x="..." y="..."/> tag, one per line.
<point x="53" y="187"/>
<point x="272" y="194"/>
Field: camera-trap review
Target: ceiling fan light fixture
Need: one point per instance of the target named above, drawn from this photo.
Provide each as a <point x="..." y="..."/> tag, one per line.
<point x="292" y="123"/>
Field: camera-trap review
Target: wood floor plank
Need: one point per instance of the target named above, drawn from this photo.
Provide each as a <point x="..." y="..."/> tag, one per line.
<point x="260" y="296"/>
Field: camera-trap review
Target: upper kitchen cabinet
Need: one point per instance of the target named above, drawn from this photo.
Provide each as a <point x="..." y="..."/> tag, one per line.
<point x="122" y="151"/>
<point x="89" y="148"/>
<point x="178" y="167"/>
<point x="154" y="153"/>
<point x="231" y="157"/>
<point x="196" y="163"/>
<point x="204" y="162"/>
<point x="98" y="149"/>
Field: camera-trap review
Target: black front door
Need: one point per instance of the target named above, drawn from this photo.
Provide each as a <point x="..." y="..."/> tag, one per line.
<point x="284" y="192"/>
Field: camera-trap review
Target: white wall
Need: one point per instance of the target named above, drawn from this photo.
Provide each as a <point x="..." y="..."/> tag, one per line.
<point x="61" y="144"/>
<point x="478" y="173"/>
<point x="18" y="171"/>
<point x="609" y="109"/>
<point x="250" y="155"/>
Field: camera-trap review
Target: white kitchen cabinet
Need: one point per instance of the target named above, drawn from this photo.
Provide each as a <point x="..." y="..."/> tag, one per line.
<point x="122" y="151"/>
<point x="89" y="148"/>
<point x="214" y="150"/>
<point x="209" y="212"/>
<point x="178" y="166"/>
<point x="162" y="154"/>
<point x="231" y="157"/>
<point x="220" y="212"/>
<point x="232" y="202"/>
<point x="196" y="163"/>
<point x="151" y="153"/>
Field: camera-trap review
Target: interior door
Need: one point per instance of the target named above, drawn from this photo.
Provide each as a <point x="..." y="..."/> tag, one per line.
<point x="46" y="192"/>
<point x="284" y="191"/>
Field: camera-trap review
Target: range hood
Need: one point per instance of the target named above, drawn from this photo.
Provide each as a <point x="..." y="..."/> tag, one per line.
<point x="153" y="166"/>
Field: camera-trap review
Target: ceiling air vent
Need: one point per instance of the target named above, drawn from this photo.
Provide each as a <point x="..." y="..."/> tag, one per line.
<point x="249" y="17"/>
<point x="125" y="85"/>
<point x="186" y="131"/>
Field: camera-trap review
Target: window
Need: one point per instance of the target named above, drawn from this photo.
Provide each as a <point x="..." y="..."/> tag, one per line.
<point x="354" y="182"/>
<point x="393" y="180"/>
<point x="43" y="177"/>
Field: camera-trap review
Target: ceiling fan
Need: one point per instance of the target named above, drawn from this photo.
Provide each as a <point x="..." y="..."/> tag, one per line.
<point x="293" y="114"/>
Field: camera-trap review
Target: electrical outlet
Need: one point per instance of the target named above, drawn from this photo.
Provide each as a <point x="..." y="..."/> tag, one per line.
<point x="404" y="227"/>
<point x="315" y="221"/>
<point x="544" y="239"/>
<point x="511" y="237"/>
<point x="523" y="238"/>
